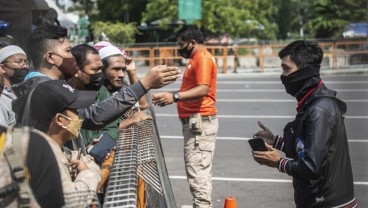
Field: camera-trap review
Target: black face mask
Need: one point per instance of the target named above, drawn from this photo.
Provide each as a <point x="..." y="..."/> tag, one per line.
<point x="19" y="75"/>
<point x="295" y="81"/>
<point x="96" y="81"/>
<point x="185" y="52"/>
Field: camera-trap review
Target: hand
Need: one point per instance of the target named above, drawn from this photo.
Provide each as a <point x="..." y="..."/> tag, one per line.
<point x="162" y="99"/>
<point x="270" y="158"/>
<point x="79" y="164"/>
<point x="136" y="118"/>
<point x="108" y="155"/>
<point x="265" y="134"/>
<point x="160" y="76"/>
<point x="139" y="116"/>
<point x="130" y="68"/>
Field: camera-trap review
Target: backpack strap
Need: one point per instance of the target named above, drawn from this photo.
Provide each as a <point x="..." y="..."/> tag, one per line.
<point x="16" y="160"/>
<point x="26" y="118"/>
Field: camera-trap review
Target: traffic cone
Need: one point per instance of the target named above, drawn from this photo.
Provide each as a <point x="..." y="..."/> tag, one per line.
<point x="230" y="202"/>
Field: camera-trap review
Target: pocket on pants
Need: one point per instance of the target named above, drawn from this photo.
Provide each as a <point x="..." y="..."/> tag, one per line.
<point x="206" y="146"/>
<point x="210" y="131"/>
<point x="207" y="149"/>
<point x="207" y="139"/>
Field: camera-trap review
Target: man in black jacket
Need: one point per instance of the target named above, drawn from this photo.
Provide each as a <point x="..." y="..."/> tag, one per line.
<point x="315" y="143"/>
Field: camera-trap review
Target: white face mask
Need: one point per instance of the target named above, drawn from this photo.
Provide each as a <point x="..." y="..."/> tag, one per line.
<point x="74" y="126"/>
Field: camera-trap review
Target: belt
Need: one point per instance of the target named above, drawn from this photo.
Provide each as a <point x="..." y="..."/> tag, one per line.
<point x="204" y="118"/>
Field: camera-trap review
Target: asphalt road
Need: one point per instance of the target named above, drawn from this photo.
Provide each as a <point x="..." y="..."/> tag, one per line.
<point x="242" y="101"/>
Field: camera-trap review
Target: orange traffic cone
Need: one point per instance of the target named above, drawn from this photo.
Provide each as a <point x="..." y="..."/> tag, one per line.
<point x="230" y="202"/>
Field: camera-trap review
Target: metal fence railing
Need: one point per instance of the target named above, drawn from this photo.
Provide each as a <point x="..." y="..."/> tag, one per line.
<point x="258" y="57"/>
<point x="139" y="176"/>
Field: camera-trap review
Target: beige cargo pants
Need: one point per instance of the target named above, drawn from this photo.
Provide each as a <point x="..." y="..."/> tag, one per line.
<point x="198" y="155"/>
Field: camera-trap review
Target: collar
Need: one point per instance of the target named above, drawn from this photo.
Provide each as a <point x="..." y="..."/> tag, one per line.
<point x="7" y="89"/>
<point x="197" y="52"/>
<point x="302" y="101"/>
<point x="33" y="74"/>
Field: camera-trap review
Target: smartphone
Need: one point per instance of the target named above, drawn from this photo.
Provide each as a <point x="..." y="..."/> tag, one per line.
<point x="102" y="147"/>
<point x="257" y="144"/>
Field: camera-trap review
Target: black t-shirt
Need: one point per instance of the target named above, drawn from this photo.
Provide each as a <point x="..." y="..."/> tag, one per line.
<point x="45" y="175"/>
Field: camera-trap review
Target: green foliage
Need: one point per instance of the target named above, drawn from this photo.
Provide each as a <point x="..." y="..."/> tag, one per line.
<point x="284" y="17"/>
<point x="262" y="19"/>
<point x="236" y="17"/>
<point x="163" y="11"/>
<point x="330" y="16"/>
<point x="118" y="33"/>
<point x="318" y="18"/>
<point x="121" y="10"/>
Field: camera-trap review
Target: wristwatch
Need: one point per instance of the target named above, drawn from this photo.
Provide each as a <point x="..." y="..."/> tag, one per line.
<point x="176" y="96"/>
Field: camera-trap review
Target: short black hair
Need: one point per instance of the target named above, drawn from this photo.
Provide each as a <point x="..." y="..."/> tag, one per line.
<point x="80" y="53"/>
<point x="303" y="52"/>
<point x="190" y="32"/>
<point x="37" y="42"/>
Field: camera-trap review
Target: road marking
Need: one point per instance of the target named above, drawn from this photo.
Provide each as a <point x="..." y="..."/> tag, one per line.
<point x="283" y="90"/>
<point x="277" y="100"/>
<point x="255" y="116"/>
<point x="279" y="82"/>
<point x="261" y="90"/>
<point x="268" y="180"/>
<point x="234" y="82"/>
<point x="247" y="138"/>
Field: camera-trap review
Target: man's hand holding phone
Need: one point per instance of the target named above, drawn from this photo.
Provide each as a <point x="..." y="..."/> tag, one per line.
<point x="101" y="149"/>
<point x="257" y="144"/>
<point x="269" y="157"/>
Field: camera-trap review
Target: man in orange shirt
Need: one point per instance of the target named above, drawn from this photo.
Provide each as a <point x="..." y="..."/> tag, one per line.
<point x="196" y="101"/>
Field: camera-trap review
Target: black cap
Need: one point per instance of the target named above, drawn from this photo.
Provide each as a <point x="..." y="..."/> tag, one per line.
<point x="53" y="96"/>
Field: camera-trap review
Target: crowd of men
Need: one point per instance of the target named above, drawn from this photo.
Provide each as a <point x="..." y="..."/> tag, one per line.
<point x="65" y="93"/>
<point x="56" y="94"/>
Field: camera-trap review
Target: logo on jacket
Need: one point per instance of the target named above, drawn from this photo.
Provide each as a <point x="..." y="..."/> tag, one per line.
<point x="320" y="199"/>
<point x="300" y="147"/>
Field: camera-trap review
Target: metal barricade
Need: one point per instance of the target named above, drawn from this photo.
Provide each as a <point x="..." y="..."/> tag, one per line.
<point x="138" y="154"/>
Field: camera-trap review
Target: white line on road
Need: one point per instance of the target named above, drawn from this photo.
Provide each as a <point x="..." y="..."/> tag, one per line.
<point x="283" y="90"/>
<point x="279" y="82"/>
<point x="256" y="116"/>
<point x="256" y="180"/>
<point x="262" y="90"/>
<point x="277" y="100"/>
<point x="247" y="138"/>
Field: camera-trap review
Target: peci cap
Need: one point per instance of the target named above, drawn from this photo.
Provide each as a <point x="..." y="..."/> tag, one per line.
<point x="9" y="51"/>
<point x="110" y="51"/>
<point x="101" y="44"/>
<point x="53" y="96"/>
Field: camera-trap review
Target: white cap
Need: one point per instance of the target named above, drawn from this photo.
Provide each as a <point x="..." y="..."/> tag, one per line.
<point x="9" y="51"/>
<point x="109" y="51"/>
<point x="101" y="44"/>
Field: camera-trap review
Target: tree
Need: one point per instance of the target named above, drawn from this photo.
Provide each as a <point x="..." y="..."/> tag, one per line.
<point x="118" y="33"/>
<point x="331" y="16"/>
<point x="287" y="18"/>
<point x="236" y="17"/>
<point x="121" y="10"/>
